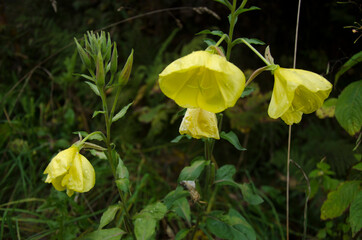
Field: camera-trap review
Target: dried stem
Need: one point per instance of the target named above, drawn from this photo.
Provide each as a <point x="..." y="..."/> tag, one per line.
<point x="290" y="126"/>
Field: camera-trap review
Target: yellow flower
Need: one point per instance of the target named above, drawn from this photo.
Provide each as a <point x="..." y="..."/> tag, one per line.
<point x="71" y="171"/>
<point x="203" y="80"/>
<point x="296" y="92"/>
<point x="199" y="123"/>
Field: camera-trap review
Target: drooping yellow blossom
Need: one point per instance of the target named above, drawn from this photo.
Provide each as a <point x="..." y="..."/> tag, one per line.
<point x="199" y="123"/>
<point x="71" y="171"/>
<point x="296" y="92"/>
<point x="203" y="80"/>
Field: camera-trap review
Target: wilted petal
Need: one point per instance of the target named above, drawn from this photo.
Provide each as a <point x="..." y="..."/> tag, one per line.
<point x="203" y="80"/>
<point x="199" y="123"/>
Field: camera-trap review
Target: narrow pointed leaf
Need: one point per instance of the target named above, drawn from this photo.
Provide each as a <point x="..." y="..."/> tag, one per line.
<point x="248" y="40"/>
<point x="94" y="88"/>
<point x="242" y="10"/>
<point x="108" y="215"/>
<point x="121" y="113"/>
<point x="215" y="32"/>
<point x="233" y="139"/>
<point x="225" y="2"/>
<point x="355" y="59"/>
<point x="97" y="112"/>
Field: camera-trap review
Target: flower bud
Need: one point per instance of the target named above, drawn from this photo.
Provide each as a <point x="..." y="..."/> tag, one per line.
<point x="126" y="71"/>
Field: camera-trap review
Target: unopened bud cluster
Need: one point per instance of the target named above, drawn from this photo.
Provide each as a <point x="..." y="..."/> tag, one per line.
<point x="100" y="57"/>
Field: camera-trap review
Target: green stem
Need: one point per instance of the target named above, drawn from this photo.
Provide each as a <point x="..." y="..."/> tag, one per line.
<point x="115" y="101"/>
<point x="91" y="134"/>
<point x="231" y="30"/>
<point x="108" y="121"/>
<point x="256" y="52"/>
<point x="220" y="40"/>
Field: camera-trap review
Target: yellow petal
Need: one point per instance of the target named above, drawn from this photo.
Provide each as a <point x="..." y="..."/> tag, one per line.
<point x="282" y="96"/>
<point x="57" y="183"/>
<point x="202" y="80"/>
<point x="89" y="177"/>
<point x="60" y="164"/>
<point x="199" y="123"/>
<point x="291" y="116"/>
<point x="296" y="92"/>
<point x="74" y="179"/>
<point x="70" y="192"/>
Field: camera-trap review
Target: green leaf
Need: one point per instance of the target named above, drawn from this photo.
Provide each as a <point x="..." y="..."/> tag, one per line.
<point x="122" y="175"/>
<point x="155" y="211"/>
<point x="144" y="228"/>
<point x="358" y="166"/>
<point x="121" y="113"/>
<point x="174" y="195"/>
<point x="224" y="176"/>
<point x="247" y="91"/>
<point x="357" y="58"/>
<point x="338" y="201"/>
<point x="105" y="234"/>
<point x="95" y="136"/>
<point x="93" y="87"/>
<point x="355" y="214"/>
<point x="248" y="40"/>
<point x="193" y="172"/>
<point x="225" y="2"/>
<point x="85" y="76"/>
<point x="242" y="10"/>
<point x="182" y="234"/>
<point x="108" y="215"/>
<point x="182" y="209"/>
<point x="233" y="139"/>
<point x="249" y="195"/>
<point x="97" y="112"/>
<point x="121" y="170"/>
<point x="123" y="184"/>
<point x="329" y="183"/>
<point x="145" y="221"/>
<point x="214" y="32"/>
<point x="349" y="108"/>
<point x="314" y="186"/>
<point x="209" y="42"/>
<point x="232" y="226"/>
<point x="179" y="137"/>
<point x="328" y="109"/>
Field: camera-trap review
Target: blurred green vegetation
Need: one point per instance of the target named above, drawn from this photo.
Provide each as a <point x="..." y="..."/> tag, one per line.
<point x="43" y="103"/>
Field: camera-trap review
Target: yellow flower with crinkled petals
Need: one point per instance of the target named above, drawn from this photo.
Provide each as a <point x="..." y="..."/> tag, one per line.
<point x="71" y="171"/>
<point x="199" y="123"/>
<point x="296" y="92"/>
<point x="202" y="80"/>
